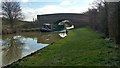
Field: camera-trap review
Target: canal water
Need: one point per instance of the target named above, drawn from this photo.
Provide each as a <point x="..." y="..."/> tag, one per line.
<point x="15" y="47"/>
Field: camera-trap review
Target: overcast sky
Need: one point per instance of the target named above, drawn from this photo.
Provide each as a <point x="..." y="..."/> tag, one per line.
<point x="32" y="8"/>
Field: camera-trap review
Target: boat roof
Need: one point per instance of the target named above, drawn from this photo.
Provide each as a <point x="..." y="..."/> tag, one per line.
<point x="47" y="24"/>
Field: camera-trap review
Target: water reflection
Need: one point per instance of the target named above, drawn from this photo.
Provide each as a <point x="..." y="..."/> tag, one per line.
<point x="11" y="50"/>
<point x="16" y="47"/>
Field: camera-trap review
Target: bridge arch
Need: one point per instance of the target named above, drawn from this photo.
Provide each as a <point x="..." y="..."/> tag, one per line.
<point x="65" y="22"/>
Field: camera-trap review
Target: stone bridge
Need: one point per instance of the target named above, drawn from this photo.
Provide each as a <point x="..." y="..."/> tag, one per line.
<point x="76" y="19"/>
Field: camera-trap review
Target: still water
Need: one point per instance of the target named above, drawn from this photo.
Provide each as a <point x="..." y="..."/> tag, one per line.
<point x="17" y="46"/>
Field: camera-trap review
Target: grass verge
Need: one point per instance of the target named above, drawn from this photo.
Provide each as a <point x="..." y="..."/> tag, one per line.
<point x="82" y="47"/>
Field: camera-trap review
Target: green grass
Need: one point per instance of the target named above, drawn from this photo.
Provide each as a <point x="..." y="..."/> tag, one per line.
<point x="82" y="47"/>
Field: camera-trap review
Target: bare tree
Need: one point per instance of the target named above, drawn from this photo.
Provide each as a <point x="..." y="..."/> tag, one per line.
<point x="108" y="14"/>
<point x="97" y="3"/>
<point x="11" y="10"/>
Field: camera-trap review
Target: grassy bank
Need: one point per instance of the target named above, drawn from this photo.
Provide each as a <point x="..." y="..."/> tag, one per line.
<point x="82" y="47"/>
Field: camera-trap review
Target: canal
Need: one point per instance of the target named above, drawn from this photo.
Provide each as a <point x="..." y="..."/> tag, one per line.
<point x="17" y="46"/>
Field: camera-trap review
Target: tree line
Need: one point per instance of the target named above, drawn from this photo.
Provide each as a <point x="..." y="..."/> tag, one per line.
<point x="104" y="18"/>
